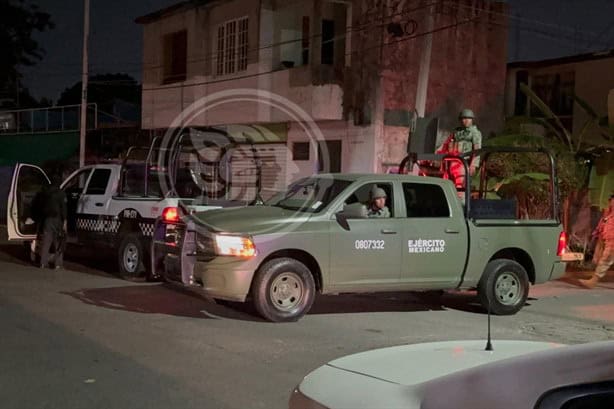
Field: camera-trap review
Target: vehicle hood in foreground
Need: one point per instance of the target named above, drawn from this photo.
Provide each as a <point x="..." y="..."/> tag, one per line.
<point x="439" y="375"/>
<point x="415" y="364"/>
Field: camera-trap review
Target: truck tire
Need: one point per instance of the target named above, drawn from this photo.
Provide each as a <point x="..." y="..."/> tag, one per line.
<point x="283" y="290"/>
<point x="506" y="284"/>
<point x="131" y="257"/>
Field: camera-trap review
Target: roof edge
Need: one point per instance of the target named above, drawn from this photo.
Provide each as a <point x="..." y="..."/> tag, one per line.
<point x="597" y="55"/>
<point x="170" y="10"/>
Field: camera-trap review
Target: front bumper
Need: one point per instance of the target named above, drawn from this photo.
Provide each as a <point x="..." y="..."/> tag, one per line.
<point x="173" y="252"/>
<point x="225" y="278"/>
<point x="175" y="258"/>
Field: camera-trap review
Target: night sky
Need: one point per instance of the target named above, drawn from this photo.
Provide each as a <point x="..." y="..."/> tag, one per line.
<point x="543" y="29"/>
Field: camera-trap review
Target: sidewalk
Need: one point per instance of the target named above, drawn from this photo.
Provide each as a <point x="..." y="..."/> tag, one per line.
<point x="574" y="274"/>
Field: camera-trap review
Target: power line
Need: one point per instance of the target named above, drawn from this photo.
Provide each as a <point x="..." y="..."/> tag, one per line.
<point x="182" y="85"/>
<point x="380" y="22"/>
<point x="354" y="29"/>
<point x="209" y="57"/>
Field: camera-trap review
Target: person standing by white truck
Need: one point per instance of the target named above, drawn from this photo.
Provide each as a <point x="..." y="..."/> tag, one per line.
<point x="115" y="205"/>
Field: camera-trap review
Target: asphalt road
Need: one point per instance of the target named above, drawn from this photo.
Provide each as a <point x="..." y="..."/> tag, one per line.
<point x="82" y="338"/>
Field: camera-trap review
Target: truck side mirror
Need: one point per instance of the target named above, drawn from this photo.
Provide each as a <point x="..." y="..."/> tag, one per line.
<point x="355" y="211"/>
<point x="351" y="211"/>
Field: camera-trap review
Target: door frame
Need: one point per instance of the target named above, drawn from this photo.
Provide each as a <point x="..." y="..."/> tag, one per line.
<point x="12" y="216"/>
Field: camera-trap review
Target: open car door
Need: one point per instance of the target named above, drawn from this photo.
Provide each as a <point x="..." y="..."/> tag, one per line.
<point x="27" y="182"/>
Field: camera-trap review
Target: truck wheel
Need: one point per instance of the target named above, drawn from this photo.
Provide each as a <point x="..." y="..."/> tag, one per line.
<point x="506" y="284"/>
<point x="131" y="256"/>
<point x="283" y="290"/>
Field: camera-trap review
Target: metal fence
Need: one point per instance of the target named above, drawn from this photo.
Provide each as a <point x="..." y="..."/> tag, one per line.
<point x="50" y="119"/>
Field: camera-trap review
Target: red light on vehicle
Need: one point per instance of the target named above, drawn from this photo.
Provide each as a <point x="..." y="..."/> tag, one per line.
<point x="562" y="247"/>
<point x="170" y="215"/>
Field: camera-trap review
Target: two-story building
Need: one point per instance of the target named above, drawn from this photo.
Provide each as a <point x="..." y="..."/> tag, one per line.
<point x="352" y="67"/>
<point x="589" y="76"/>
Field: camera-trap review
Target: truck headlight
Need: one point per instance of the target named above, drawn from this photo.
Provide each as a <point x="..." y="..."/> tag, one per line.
<point x="235" y="246"/>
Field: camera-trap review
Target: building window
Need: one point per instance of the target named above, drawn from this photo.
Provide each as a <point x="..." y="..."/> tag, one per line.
<point x="329" y="156"/>
<point x="98" y="182"/>
<point x="425" y="201"/>
<point x="175" y="57"/>
<point x="556" y="90"/>
<point x="243" y="44"/>
<point x="232" y="46"/>
<point x="305" y="40"/>
<point x="328" y="42"/>
<point x="520" y="108"/>
<point x="300" y="151"/>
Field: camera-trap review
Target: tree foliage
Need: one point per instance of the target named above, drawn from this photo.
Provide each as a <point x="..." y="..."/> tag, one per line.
<point x="104" y="89"/>
<point x="19" y="20"/>
<point x="526" y="176"/>
<point x="523" y="176"/>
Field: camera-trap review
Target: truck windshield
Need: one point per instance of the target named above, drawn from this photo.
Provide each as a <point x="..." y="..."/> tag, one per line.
<point x="310" y="195"/>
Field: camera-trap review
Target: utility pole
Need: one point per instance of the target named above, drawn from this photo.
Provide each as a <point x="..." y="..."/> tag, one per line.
<point x="84" y="78"/>
<point x="425" y="64"/>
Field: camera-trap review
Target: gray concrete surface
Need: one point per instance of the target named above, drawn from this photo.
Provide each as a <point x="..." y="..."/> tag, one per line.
<point x="83" y="338"/>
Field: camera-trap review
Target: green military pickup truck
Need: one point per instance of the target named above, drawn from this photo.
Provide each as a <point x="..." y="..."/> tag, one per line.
<point x="326" y="235"/>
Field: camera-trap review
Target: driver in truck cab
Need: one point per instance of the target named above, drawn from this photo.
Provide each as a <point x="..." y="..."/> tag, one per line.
<point x="377" y="203"/>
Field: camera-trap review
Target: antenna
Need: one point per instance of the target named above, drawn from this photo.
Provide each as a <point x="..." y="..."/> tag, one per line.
<point x="489" y="341"/>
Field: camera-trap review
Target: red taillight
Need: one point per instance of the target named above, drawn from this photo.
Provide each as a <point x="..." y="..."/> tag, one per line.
<point x="562" y="247"/>
<point x="170" y="215"/>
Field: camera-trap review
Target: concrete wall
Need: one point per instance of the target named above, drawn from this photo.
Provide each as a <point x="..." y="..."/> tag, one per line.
<point x="163" y="104"/>
<point x="379" y="71"/>
<point x="594" y="80"/>
<point x="467" y="69"/>
<point x="357" y="144"/>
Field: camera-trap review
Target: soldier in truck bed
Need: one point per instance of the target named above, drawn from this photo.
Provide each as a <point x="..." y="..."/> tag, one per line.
<point x="464" y="139"/>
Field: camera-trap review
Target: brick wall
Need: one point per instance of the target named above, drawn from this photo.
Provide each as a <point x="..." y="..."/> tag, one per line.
<point x="468" y="64"/>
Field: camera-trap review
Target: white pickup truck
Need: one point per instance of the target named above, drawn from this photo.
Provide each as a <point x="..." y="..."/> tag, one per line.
<point x="115" y="205"/>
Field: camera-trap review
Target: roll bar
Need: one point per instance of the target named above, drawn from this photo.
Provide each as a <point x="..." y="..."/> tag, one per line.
<point x="485" y="153"/>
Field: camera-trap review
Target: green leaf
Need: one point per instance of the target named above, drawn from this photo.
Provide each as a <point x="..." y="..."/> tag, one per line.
<point x="547" y="112"/>
<point x="586" y="107"/>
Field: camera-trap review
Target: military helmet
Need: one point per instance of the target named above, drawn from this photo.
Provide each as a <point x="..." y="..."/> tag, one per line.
<point x="466" y="113"/>
<point x="377" y="192"/>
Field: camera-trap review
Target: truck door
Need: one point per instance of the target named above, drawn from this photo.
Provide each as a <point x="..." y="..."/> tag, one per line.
<point x="94" y="203"/>
<point x="368" y="253"/>
<point x="435" y="237"/>
<point x="73" y="187"/>
<point x="27" y="182"/>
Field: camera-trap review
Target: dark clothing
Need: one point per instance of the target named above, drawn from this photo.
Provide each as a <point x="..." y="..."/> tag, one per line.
<point x="54" y="204"/>
<point x="51" y="230"/>
<point x="52" y="234"/>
